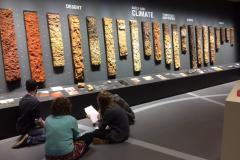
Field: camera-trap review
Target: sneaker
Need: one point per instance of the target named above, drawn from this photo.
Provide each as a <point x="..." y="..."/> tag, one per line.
<point x="97" y="141"/>
<point x="21" y="142"/>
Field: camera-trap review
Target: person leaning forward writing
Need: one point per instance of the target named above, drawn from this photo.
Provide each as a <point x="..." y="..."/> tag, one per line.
<point x="29" y="123"/>
<point x="113" y="121"/>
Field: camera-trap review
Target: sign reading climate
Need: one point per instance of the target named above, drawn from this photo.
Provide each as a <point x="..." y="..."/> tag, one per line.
<point x="141" y="12"/>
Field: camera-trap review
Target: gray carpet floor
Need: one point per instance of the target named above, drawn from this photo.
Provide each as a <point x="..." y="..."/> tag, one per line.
<point x="187" y="126"/>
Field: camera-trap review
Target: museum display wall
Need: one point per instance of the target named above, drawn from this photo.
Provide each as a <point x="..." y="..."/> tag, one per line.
<point x="67" y="41"/>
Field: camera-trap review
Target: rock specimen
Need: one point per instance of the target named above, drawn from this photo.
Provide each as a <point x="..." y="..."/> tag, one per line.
<point x="93" y="40"/>
<point x="232" y="36"/>
<point x="135" y="46"/>
<point x="122" y="37"/>
<point x="167" y="43"/>
<point x="223" y="35"/>
<point x="9" y="46"/>
<point x="227" y="31"/>
<point x="199" y="44"/>
<point x="176" y="48"/>
<point x="54" y="26"/>
<point x="192" y="47"/>
<point x="77" y="51"/>
<point x="109" y="44"/>
<point x="147" y="38"/>
<point x="183" y="31"/>
<point x="212" y="45"/>
<point x="217" y="38"/>
<point x="205" y="44"/>
<point x="34" y="45"/>
<point x="157" y="41"/>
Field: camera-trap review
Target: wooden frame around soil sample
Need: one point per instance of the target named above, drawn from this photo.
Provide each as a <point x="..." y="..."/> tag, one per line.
<point x="232" y="36"/>
<point x="157" y="41"/>
<point x="192" y="47"/>
<point x="77" y="47"/>
<point x="135" y="46"/>
<point x="9" y="46"/>
<point x="212" y="45"/>
<point x="93" y="41"/>
<point x="223" y="35"/>
<point x="122" y="37"/>
<point x="55" y="33"/>
<point x="205" y="44"/>
<point x="199" y="45"/>
<point x="167" y="43"/>
<point x="110" y="49"/>
<point x="34" y="45"/>
<point x="227" y="31"/>
<point x="176" y="47"/>
<point x="183" y="34"/>
<point x="217" y="38"/>
<point x="146" y="27"/>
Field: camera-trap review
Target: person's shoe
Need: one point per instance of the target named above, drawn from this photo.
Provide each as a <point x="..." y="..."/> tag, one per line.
<point x="21" y="142"/>
<point x="97" y="141"/>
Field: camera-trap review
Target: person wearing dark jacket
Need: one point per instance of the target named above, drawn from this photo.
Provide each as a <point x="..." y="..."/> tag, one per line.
<point x="113" y="125"/>
<point x="123" y="104"/>
<point x="29" y="123"/>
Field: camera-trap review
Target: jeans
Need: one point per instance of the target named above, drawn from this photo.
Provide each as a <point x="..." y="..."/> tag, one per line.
<point x="36" y="136"/>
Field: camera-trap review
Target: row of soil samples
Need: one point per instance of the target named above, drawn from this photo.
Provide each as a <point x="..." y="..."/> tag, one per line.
<point x="203" y="42"/>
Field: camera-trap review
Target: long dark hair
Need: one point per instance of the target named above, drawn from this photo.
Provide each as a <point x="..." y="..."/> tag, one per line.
<point x="61" y="106"/>
<point x="104" y="100"/>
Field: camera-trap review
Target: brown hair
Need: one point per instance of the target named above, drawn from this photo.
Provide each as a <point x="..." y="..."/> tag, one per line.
<point x="104" y="100"/>
<point x="61" y="106"/>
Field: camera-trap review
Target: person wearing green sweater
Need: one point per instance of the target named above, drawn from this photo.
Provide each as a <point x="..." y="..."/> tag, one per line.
<point x="63" y="140"/>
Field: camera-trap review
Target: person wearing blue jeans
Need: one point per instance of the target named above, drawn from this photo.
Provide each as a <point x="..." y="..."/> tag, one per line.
<point x="29" y="123"/>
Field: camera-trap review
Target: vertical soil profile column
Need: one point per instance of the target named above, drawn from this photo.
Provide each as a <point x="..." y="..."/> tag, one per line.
<point x="9" y="46"/>
<point x="223" y="35"/>
<point x="157" y="41"/>
<point x="135" y="46"/>
<point x="232" y="36"/>
<point x="167" y="43"/>
<point x="109" y="44"/>
<point x="55" y="34"/>
<point x="199" y="44"/>
<point x="77" y="51"/>
<point x="192" y="47"/>
<point x="183" y="32"/>
<point x="212" y="45"/>
<point x="218" y="39"/>
<point x="122" y="37"/>
<point x="147" y="38"/>
<point x="93" y="41"/>
<point x="227" y="31"/>
<point x="35" y="53"/>
<point x="176" y="48"/>
<point x="205" y="44"/>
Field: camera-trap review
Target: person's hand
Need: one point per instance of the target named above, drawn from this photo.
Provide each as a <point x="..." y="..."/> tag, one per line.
<point x="40" y="122"/>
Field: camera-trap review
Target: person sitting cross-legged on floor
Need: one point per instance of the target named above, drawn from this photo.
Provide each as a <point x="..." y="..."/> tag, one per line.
<point x="113" y="121"/>
<point x="63" y="140"/>
<point x="29" y="123"/>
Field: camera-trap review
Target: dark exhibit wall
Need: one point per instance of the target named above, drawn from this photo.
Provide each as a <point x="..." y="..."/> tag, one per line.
<point x="54" y="23"/>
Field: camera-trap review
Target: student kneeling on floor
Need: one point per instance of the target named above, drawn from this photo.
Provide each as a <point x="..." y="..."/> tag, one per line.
<point x="29" y="123"/>
<point x="113" y="116"/>
<point x="63" y="140"/>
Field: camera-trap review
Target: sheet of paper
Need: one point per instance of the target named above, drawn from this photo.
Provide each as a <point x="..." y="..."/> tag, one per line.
<point x="92" y="113"/>
<point x="161" y="77"/>
<point x="71" y="91"/>
<point x="148" y="78"/>
<point x="6" y="101"/>
<point x="57" y="88"/>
